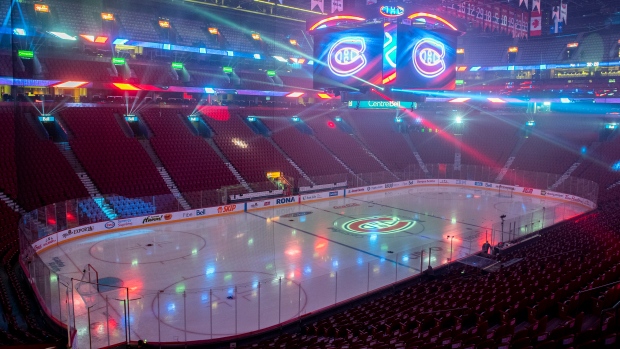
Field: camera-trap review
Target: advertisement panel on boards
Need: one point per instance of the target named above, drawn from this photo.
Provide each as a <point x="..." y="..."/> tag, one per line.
<point x="348" y="58"/>
<point x="425" y="60"/>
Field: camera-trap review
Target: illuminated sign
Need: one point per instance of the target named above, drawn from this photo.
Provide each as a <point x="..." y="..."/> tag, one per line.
<point x="428" y="57"/>
<point x="118" y="61"/>
<point x="425" y="60"/>
<point x="164" y="24"/>
<point x="346" y="56"/>
<point x="572" y="44"/>
<point x="177" y="65"/>
<point x="377" y="225"/>
<point x="513" y="49"/>
<point x="107" y="16"/>
<point x="213" y="31"/>
<point x="41" y="8"/>
<point x="25" y="54"/>
<point x="131" y="118"/>
<point x="46" y="118"/>
<point x="382" y="105"/>
<point x="274" y="174"/>
<point x="392" y="11"/>
<point x="227" y="70"/>
<point x="193" y="118"/>
<point x="460" y="51"/>
<point x="271" y="73"/>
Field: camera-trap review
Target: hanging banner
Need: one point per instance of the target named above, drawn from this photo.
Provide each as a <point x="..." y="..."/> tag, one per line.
<point x="317" y="3"/>
<point x="536" y="24"/>
<point x="337" y="5"/>
<point x="536" y="5"/>
<point x="564" y="13"/>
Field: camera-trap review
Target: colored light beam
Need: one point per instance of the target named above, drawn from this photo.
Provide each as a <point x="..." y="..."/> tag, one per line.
<point x="446" y="135"/>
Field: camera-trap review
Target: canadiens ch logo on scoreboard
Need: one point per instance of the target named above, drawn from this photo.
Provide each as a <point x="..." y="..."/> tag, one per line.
<point x="346" y="56"/>
<point x="428" y="57"/>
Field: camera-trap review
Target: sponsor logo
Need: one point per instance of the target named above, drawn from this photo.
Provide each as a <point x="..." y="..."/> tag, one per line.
<point x="389" y="185"/>
<point x="443" y="181"/>
<point x="554" y="194"/>
<point x="356" y="190"/>
<point x="77" y="231"/>
<point x="346" y="206"/>
<point x="506" y="188"/>
<point x="377" y="225"/>
<point x="311" y="197"/>
<point x="188" y="214"/>
<point x="168" y="216"/>
<point x="428" y="57"/>
<point x="543" y="192"/>
<point x="346" y="56"/>
<point x="151" y="219"/>
<point x="488" y="185"/>
<point x="109" y="225"/>
<point x="125" y="222"/>
<point x="202" y="212"/>
<point x="411" y="182"/>
<point x="528" y="190"/>
<point x="333" y="193"/>
<point x="254" y="205"/>
<point x="423" y="181"/>
<point x="479" y="184"/>
<point x="295" y="214"/>
<point x="267" y="203"/>
<point x="460" y="181"/>
<point x="285" y="200"/>
<point x="226" y="208"/>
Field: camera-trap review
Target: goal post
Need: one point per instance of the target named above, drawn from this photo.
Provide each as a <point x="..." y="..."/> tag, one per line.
<point x="505" y="192"/>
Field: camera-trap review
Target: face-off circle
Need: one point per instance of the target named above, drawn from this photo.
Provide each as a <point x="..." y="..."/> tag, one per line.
<point x="378" y="225"/>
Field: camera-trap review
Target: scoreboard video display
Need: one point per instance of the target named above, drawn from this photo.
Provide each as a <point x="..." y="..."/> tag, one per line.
<point x="390" y="55"/>
<point x="348" y="58"/>
<point x="425" y="59"/>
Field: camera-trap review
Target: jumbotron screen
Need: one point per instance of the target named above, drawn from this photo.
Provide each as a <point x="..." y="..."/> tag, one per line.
<point x="425" y="59"/>
<point x="349" y="58"/>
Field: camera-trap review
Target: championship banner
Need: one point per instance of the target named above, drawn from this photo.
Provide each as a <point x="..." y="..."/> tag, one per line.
<point x="337" y="5"/>
<point x="536" y="5"/>
<point x="564" y="13"/>
<point x="319" y="3"/>
<point x="371" y="2"/>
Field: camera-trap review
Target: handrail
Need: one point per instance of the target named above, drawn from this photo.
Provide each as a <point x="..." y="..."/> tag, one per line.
<point x="599" y="287"/>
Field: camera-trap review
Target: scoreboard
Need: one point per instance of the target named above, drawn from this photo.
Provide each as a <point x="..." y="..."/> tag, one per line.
<point x="399" y="54"/>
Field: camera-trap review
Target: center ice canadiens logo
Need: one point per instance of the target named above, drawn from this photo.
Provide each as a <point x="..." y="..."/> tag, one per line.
<point x="377" y="225"/>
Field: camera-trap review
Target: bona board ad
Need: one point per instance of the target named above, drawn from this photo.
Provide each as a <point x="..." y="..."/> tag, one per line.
<point x="257" y="205"/>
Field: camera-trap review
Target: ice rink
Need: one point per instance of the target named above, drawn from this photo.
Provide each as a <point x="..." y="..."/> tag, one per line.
<point x="217" y="277"/>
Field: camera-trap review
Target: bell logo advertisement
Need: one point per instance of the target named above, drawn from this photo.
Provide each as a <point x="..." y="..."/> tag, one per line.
<point x="425" y="59"/>
<point x="348" y="58"/>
